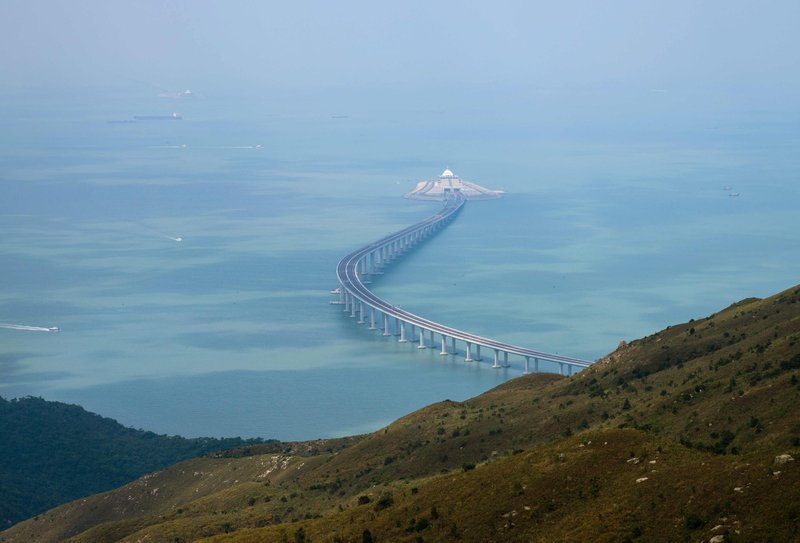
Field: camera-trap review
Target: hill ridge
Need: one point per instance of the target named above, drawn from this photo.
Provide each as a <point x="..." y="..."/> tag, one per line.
<point x="718" y="395"/>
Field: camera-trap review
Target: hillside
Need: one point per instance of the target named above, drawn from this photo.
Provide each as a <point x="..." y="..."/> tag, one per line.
<point x="51" y="452"/>
<point x="681" y="435"/>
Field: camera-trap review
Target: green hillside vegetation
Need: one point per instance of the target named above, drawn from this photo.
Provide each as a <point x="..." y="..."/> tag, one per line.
<point x="51" y="452"/>
<point x="685" y="435"/>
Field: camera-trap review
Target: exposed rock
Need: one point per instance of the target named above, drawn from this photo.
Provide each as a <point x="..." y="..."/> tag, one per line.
<point x="783" y="459"/>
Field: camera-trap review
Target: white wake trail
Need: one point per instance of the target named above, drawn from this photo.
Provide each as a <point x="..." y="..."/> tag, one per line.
<point x="28" y="328"/>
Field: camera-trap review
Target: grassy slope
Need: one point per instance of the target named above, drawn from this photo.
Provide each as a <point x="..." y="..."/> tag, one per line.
<point x="717" y="396"/>
<point x="94" y="454"/>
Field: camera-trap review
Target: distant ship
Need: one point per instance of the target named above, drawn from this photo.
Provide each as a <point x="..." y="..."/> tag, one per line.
<point x="54" y="329"/>
<point x="173" y="117"/>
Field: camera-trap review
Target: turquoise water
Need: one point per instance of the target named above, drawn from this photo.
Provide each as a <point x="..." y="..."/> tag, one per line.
<point x="608" y="231"/>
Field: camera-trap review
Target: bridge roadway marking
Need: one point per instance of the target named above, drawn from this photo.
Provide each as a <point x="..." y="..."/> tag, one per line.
<point x="347" y="273"/>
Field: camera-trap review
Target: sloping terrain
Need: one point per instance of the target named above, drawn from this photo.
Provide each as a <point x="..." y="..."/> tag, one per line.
<point x="672" y="437"/>
<point x="52" y="452"/>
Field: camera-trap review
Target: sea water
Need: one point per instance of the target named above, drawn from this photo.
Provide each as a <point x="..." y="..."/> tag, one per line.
<point x="189" y="263"/>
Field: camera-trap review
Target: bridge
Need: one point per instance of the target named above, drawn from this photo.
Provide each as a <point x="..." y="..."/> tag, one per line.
<point x="356" y="269"/>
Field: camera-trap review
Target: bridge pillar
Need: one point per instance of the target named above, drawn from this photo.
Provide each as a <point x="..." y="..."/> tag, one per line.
<point x="360" y="312"/>
<point x="453" y="345"/>
<point x="478" y="353"/>
<point x="505" y="360"/>
<point x="346" y="300"/>
<point x="413" y="333"/>
<point x="386" y="325"/>
<point x="444" y="346"/>
<point x="372" y="318"/>
<point x="402" y="332"/>
<point x="469" y="353"/>
<point x="421" y="339"/>
<point x="352" y="307"/>
<point x="527" y="360"/>
<point x="561" y="368"/>
<point x="432" y="342"/>
<point x="496" y="354"/>
<point x="536" y="365"/>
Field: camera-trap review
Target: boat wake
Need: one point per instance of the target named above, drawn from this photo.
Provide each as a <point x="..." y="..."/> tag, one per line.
<point x="29" y="328"/>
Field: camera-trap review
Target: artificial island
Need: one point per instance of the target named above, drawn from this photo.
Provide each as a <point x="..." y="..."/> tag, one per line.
<point x="449" y="183"/>
<point x="358" y="268"/>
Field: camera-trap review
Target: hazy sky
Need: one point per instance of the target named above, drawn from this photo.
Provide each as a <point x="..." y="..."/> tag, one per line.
<point x="414" y="45"/>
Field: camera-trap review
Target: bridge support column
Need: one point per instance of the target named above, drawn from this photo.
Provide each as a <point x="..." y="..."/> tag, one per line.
<point x="496" y="354"/>
<point x="352" y="308"/>
<point x="360" y="312"/>
<point x="341" y="295"/>
<point x="386" y="325"/>
<point x="453" y="345"/>
<point x="469" y="353"/>
<point x="402" y="332"/>
<point x="536" y="365"/>
<point x="413" y="333"/>
<point x="478" y="353"/>
<point x="346" y="300"/>
<point x="527" y="361"/>
<point x="505" y="360"/>
<point x="561" y="368"/>
<point x="444" y="346"/>
<point x="432" y="342"/>
<point x="421" y="339"/>
<point x="372" y="318"/>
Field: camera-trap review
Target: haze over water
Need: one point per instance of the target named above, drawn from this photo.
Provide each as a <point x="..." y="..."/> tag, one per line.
<point x="617" y="223"/>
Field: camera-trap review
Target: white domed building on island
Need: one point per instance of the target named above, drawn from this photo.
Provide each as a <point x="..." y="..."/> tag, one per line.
<point x="447" y="182"/>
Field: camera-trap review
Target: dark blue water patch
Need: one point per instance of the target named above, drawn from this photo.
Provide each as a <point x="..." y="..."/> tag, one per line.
<point x="12" y="363"/>
<point x="14" y="372"/>
<point x="33" y="307"/>
<point x="246" y="272"/>
<point x="139" y="201"/>
<point x="275" y="404"/>
<point x="39" y="275"/>
<point x="238" y="341"/>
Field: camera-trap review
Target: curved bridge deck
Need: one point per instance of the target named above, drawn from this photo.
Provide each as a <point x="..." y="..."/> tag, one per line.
<point x="360" y="301"/>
